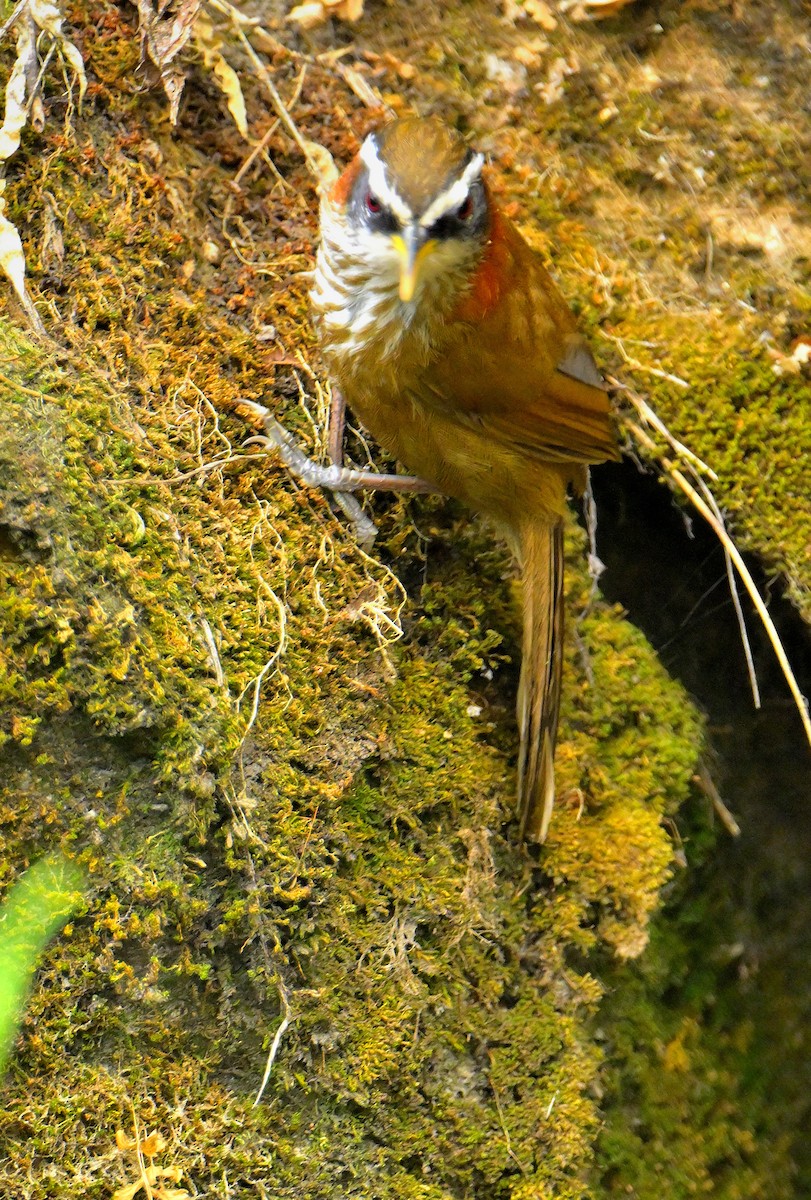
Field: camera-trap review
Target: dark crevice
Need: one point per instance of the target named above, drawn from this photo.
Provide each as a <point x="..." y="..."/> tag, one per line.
<point x="667" y="570"/>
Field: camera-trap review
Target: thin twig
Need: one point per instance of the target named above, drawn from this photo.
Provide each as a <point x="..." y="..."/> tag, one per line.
<point x="146" y="1183"/>
<point x="707" y="785"/>
<point x="507" y="1140"/>
<point x="261" y="146"/>
<point x="362" y="88"/>
<point x="229" y="10"/>
<point x="213" y="652"/>
<point x="258" y="680"/>
<point x="595" y="566"/>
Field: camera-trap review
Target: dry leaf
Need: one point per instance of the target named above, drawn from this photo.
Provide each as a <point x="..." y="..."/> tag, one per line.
<point x="48" y="18"/>
<point x="127" y="1192"/>
<point x="165" y="30"/>
<point x="538" y="10"/>
<point x="541" y="13"/>
<point x="552" y="90"/>
<point x="153" y="1145"/>
<point x="15" y="115"/>
<point x="511" y="76"/>
<point x="801" y="350"/>
<point x="322" y="164"/>
<point x="308" y="16"/>
<point x="793" y="363"/>
<point x="210" y="45"/>
<point x="530" y="54"/>
<point x="12" y="259"/>
<point x="347" y="10"/>
<point x="23" y="104"/>
<point x="150" y="1178"/>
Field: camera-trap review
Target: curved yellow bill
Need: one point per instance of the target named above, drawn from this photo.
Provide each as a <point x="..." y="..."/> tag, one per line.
<point x="412" y="256"/>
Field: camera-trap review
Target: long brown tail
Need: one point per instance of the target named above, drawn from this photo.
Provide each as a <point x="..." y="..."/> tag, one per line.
<point x="541" y="667"/>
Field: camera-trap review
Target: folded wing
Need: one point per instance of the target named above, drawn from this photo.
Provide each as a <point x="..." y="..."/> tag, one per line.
<point x="549" y="399"/>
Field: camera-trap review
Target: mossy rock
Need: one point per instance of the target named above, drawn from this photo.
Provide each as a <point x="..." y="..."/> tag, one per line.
<point x="295" y="821"/>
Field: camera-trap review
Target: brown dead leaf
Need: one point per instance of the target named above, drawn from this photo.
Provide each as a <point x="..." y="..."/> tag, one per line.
<point x="308" y="16"/>
<point x="210" y="45"/>
<point x="530" y="54"/>
<point x="796" y="362"/>
<point x="165" y="28"/>
<point x="552" y="90"/>
<point x="541" y="13"/>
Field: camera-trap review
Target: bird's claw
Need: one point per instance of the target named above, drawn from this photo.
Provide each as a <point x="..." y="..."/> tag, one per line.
<point x="339" y="480"/>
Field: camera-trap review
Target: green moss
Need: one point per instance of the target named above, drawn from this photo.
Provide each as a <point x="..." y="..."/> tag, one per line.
<point x="685" y="1078"/>
<point x="281" y="810"/>
<point x="359" y="863"/>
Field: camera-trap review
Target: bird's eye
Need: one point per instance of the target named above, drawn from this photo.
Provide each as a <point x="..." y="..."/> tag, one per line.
<point x="465" y="210"/>
<point x="373" y="205"/>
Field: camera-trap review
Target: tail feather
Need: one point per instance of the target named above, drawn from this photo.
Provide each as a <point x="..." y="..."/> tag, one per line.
<point x="541" y="668"/>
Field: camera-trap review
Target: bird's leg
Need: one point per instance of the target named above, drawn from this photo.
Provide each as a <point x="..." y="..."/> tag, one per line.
<point x="364" y="526"/>
<point x="334" y="477"/>
<point x="337" y="424"/>
<point x="340" y="480"/>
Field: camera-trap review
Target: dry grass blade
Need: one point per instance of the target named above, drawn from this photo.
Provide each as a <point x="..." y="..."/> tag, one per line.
<point x="48" y="18"/>
<point x="277" y="1039"/>
<point x="702" y="499"/>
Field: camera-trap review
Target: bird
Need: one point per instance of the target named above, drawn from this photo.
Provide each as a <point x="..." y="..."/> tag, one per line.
<point x="449" y="341"/>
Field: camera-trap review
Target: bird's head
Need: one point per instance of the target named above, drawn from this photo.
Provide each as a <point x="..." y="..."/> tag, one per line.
<point x="415" y="205"/>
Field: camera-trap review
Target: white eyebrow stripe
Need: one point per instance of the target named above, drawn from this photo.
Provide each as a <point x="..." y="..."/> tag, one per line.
<point x="454" y="196"/>
<point x="380" y="186"/>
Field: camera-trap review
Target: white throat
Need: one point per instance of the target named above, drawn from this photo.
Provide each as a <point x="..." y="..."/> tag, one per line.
<point x="356" y="292"/>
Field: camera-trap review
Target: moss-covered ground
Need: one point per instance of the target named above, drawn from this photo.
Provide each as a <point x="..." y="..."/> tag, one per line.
<point x="292" y="819"/>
